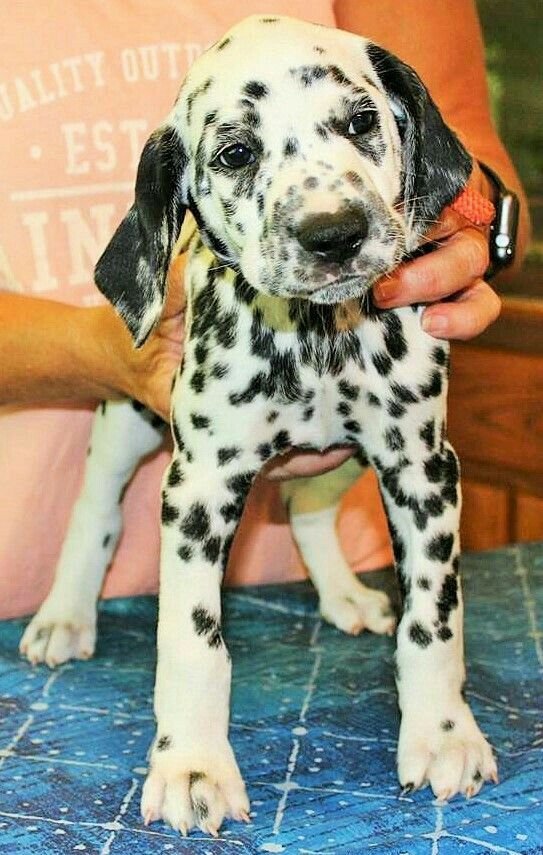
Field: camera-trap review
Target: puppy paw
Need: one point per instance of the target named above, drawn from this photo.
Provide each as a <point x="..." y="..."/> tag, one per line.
<point x="193" y="790"/>
<point x="359" y="608"/>
<point x="447" y="751"/>
<point x="56" y="638"/>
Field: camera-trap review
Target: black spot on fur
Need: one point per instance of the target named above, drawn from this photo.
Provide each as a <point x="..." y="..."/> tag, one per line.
<point x="348" y="390"/>
<point x="321" y="131"/>
<point x="195" y="524"/>
<point x="394" y="439"/>
<point x="373" y="400"/>
<point x="419" y="635"/>
<point x="169" y="513"/>
<point x="225" y="455"/>
<point x="264" y="451"/>
<point x="225" y="329"/>
<point x="185" y="552"/>
<point x="395" y="342"/>
<point x="211" y="549"/>
<point x="255" y="89"/>
<point x="308" y="74"/>
<point x="352" y="426"/>
<point x="197" y="381"/>
<point x="219" y="370"/>
<point x="395" y="409"/>
<point x="281" y="440"/>
<point x="423" y="583"/>
<point x="444" y="633"/>
<point x="343" y="408"/>
<point x="403" y="394"/>
<point x="440" y="547"/>
<point x="175" y="475"/>
<point x="383" y="363"/>
<point x="272" y="416"/>
<point x="448" y="597"/>
<point x="433" y="468"/>
<point x="255" y="387"/>
<point x="224" y="43"/>
<point x="433" y="387"/>
<point x="427" y="434"/>
<point x="106" y="540"/>
<point x="244" y="292"/>
<point x="308" y="414"/>
<point x="201" y="351"/>
<point x="199" y="422"/>
<point x="164" y="743"/>
<point x="290" y="148"/>
<point x="439" y="355"/>
<point x="206" y="624"/>
<point x="447" y="725"/>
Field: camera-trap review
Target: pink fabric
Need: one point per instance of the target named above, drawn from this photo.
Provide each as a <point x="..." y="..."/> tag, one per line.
<point x="82" y="85"/>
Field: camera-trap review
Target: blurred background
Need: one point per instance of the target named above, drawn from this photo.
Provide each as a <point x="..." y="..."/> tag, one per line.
<point x="513" y="33"/>
<point x="496" y="403"/>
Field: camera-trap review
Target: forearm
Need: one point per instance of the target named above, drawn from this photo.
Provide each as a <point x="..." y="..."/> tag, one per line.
<point x="51" y="351"/>
<point x="443" y="42"/>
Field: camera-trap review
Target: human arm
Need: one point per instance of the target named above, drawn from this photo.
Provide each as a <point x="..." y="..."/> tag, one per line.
<point x="53" y="352"/>
<point x="443" y="42"/>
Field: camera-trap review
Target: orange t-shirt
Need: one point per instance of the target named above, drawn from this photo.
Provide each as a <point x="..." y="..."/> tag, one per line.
<point x="82" y="86"/>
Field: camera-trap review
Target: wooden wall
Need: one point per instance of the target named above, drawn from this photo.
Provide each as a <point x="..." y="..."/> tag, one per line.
<point x="496" y="426"/>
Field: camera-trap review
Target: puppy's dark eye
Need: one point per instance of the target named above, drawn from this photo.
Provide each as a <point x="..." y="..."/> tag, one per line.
<point x="235" y="156"/>
<point x="362" y="122"/>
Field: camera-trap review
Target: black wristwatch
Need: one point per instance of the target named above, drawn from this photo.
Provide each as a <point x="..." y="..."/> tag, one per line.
<point x="503" y="231"/>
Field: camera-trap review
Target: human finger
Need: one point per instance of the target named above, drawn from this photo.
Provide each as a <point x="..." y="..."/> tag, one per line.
<point x="473" y="310"/>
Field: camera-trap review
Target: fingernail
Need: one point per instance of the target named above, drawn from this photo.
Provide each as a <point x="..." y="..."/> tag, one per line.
<point x="434" y="323"/>
<point x="383" y="292"/>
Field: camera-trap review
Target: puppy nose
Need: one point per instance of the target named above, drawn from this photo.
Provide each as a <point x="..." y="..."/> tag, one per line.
<point x="334" y="237"/>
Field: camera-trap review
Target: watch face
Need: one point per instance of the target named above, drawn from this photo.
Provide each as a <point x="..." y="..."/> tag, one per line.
<point x="503" y="234"/>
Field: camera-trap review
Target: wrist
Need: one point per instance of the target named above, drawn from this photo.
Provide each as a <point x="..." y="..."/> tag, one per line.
<point x="107" y="356"/>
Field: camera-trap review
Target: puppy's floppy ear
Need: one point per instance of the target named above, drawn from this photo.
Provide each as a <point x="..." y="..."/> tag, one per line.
<point x="436" y="165"/>
<point x="132" y="270"/>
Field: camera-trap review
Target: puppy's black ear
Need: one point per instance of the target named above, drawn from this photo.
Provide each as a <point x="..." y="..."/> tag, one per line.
<point x="436" y="164"/>
<point x="132" y="270"/>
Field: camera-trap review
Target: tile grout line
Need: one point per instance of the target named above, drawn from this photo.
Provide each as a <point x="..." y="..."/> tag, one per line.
<point x="8" y="751"/>
<point x="529" y="604"/>
<point x="293" y="757"/>
<point x="117" y="824"/>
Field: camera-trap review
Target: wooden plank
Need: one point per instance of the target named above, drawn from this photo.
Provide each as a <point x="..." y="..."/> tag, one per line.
<point x="495" y="407"/>
<point x="528" y="518"/>
<point x="485" y="516"/>
<point x="519" y="327"/>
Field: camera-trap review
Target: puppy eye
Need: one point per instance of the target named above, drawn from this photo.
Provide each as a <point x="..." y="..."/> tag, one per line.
<point x="362" y="122"/>
<point x="235" y="156"/>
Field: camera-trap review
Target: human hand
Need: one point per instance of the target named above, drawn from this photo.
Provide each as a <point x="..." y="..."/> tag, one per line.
<point x="306" y="464"/>
<point x="462" y="304"/>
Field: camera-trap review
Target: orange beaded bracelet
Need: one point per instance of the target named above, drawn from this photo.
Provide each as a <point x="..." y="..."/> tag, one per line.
<point x="474" y="207"/>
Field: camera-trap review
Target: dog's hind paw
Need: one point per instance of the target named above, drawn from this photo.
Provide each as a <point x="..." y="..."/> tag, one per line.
<point x="55" y="640"/>
<point x="357" y="609"/>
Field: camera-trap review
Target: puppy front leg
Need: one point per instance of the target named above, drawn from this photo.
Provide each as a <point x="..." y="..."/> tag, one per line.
<point x="440" y="742"/>
<point x="65" y="626"/>
<point x="194" y="779"/>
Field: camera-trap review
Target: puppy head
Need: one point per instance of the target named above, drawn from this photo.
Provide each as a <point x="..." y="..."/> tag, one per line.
<point x="311" y="159"/>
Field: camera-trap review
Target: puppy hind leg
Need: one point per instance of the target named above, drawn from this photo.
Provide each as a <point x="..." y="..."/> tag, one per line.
<point x="65" y="625"/>
<point x="344" y="601"/>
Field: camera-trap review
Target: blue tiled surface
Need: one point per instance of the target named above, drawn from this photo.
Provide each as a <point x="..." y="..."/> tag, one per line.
<point x="314" y="726"/>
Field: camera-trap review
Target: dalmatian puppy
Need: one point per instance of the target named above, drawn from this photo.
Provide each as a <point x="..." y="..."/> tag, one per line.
<point x="312" y="161"/>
